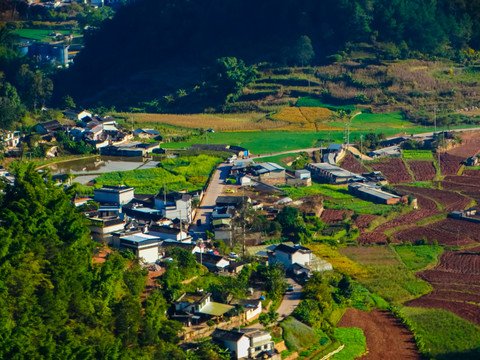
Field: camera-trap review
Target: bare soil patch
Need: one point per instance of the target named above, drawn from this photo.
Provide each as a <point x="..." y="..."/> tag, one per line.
<point x="470" y="145"/>
<point x="351" y="163"/>
<point x="386" y="337"/>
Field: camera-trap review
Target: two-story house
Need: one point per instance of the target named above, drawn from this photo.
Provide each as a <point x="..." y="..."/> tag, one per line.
<point x="289" y="255"/>
<point x="175" y="205"/>
<point x="247" y="343"/>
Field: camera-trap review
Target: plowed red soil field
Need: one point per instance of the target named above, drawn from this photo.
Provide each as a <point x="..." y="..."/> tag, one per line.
<point x="372" y="238"/>
<point x="474" y="173"/>
<point x="458" y="227"/>
<point x="423" y="170"/>
<point x="449" y="164"/>
<point x="456" y="282"/>
<point x="351" y="163"/>
<point x="449" y="199"/>
<point x="415" y="233"/>
<point x="386" y="337"/>
<point x="393" y="169"/>
<point x="464" y="180"/>
<point x="333" y="216"/>
<point x="407" y="219"/>
<point x="363" y="221"/>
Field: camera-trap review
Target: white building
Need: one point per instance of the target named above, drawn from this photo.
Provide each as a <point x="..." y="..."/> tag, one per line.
<point x="175" y="205"/>
<point x="168" y="233"/>
<point x="119" y="195"/>
<point x="289" y="255"/>
<point x="247" y="343"/>
<point x="144" y="246"/>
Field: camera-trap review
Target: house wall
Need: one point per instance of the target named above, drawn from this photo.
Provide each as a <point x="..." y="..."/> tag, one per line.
<point x="150" y="255"/>
<point x="225" y="235"/>
<point x="253" y="313"/>
<point x="302" y="259"/>
<point x="119" y="198"/>
<point x="299" y="181"/>
<point x="239" y="349"/>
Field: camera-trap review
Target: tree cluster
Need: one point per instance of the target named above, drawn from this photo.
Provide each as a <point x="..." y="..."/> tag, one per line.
<point x="54" y="302"/>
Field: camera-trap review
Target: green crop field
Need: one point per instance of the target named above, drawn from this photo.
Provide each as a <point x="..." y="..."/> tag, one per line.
<point x="420" y="256"/>
<point x="179" y="174"/>
<point x="445" y="335"/>
<point x="417" y="155"/>
<point x="41" y="34"/>
<point x="354" y="341"/>
<point x="313" y="102"/>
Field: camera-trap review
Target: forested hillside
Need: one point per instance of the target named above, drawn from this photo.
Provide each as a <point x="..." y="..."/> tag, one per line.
<point x="54" y="302"/>
<point x="179" y="37"/>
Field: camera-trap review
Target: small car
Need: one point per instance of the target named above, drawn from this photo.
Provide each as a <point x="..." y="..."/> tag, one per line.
<point x="290" y="288"/>
<point x="233" y="255"/>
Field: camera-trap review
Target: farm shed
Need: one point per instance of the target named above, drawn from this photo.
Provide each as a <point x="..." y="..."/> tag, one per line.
<point x="332" y="174"/>
<point x="374" y="194"/>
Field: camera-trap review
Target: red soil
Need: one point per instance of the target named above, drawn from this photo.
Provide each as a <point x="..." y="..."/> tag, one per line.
<point x="423" y="170"/>
<point x="394" y="170"/>
<point x="351" y="163"/>
<point x="386" y="337"/>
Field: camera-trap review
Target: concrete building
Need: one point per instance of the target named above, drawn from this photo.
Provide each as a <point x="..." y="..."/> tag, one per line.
<point x="247" y="343"/>
<point x="102" y="230"/>
<point x="119" y="195"/>
<point x="175" y="205"/>
<point x="332" y="174"/>
<point x="374" y="194"/>
<point x="289" y="255"/>
<point x="269" y="173"/>
<point x="144" y="246"/>
<point x="168" y="233"/>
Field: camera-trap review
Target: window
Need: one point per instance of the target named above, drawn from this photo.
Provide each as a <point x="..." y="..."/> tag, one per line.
<point x="258" y="348"/>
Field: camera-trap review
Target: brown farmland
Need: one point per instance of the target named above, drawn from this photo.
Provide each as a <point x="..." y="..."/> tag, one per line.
<point x="393" y="169"/>
<point x="351" y="163"/>
<point x="456" y="282"/>
<point x="423" y="170"/>
<point x="386" y="337"/>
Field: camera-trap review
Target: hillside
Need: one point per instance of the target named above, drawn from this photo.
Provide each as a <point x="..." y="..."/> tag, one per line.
<point x="165" y="46"/>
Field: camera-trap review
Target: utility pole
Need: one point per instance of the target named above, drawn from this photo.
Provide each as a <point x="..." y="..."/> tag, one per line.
<point x="435" y="117"/>
<point x="243" y="222"/>
<point x="361" y="148"/>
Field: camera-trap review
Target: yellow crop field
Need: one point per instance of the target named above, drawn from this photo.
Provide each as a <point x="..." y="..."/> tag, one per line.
<point x="339" y="262"/>
<point x="217" y="122"/>
<point x="305" y="119"/>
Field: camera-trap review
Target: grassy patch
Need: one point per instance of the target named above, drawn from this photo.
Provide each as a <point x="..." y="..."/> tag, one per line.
<point x="417" y="155"/>
<point x="308" y="101"/>
<point x="395" y="283"/>
<point x="445" y="335"/>
<point x="371" y="255"/>
<point x="304" y="118"/>
<point x="419" y="257"/>
<point x="354" y="341"/>
<point x="339" y="262"/>
<point x="282" y="160"/>
<point x="338" y="198"/>
<point x="42" y="34"/>
<point x="297" y="335"/>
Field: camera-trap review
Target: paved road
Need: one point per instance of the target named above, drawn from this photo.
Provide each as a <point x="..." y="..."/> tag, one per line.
<point x="438" y="130"/>
<point x="289" y="303"/>
<point x="290" y="300"/>
<point x="215" y="188"/>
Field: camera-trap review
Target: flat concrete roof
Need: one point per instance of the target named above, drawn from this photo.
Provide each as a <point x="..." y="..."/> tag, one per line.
<point x="139" y="237"/>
